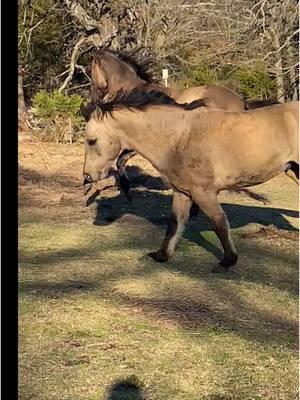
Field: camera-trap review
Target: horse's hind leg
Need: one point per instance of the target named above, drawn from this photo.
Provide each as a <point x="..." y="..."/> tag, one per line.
<point x="121" y="162"/>
<point x="209" y="204"/>
<point x="292" y="171"/>
<point x="180" y="213"/>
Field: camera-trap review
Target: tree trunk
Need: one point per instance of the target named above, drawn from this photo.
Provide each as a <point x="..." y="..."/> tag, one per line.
<point x="293" y="83"/>
<point x="278" y="69"/>
<point x="21" y="101"/>
<point x="279" y="80"/>
<point x="275" y="29"/>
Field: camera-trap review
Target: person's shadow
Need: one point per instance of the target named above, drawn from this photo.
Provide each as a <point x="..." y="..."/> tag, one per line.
<point x="126" y="389"/>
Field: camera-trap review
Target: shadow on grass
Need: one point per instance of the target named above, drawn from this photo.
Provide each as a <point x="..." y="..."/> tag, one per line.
<point x="234" y="315"/>
<point x="218" y="309"/>
<point x="152" y="208"/>
<point x="155" y="208"/>
<point x="55" y="290"/>
<point x="126" y="389"/>
<point x="215" y="305"/>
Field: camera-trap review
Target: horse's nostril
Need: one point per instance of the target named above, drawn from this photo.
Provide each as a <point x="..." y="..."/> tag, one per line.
<point x="87" y="179"/>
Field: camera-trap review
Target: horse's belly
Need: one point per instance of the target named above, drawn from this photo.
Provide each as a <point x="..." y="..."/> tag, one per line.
<point x="255" y="178"/>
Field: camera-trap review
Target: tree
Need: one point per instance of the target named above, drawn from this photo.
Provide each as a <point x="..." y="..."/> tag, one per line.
<point x="275" y="28"/>
<point x="223" y="36"/>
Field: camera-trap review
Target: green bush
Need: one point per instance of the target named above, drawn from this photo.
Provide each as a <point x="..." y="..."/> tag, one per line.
<point x="48" y="105"/>
<point x="59" y="114"/>
<point x="252" y="83"/>
<point x="255" y="83"/>
<point x="201" y="75"/>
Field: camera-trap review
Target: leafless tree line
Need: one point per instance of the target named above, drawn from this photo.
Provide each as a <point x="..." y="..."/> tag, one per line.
<point x="180" y="33"/>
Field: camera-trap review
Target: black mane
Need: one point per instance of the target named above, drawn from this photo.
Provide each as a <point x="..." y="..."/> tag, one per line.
<point x="142" y="67"/>
<point x="253" y="104"/>
<point x="137" y="99"/>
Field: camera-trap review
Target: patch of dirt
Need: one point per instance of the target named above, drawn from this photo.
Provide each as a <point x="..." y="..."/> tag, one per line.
<point x="130" y="219"/>
<point x="271" y="232"/>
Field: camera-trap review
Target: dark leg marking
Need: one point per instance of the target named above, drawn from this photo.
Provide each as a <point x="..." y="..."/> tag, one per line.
<point x="121" y="164"/>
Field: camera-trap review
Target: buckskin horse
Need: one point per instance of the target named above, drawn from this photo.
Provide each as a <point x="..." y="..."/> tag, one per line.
<point x="113" y="70"/>
<point x="200" y="152"/>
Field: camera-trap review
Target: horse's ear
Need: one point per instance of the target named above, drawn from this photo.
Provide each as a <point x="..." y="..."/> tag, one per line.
<point x="85" y="111"/>
<point x="97" y="75"/>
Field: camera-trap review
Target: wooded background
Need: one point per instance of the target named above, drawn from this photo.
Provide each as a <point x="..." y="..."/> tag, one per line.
<point x="250" y="46"/>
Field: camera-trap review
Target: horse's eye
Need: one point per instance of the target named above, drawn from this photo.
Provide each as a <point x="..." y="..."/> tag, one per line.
<point x="91" y="142"/>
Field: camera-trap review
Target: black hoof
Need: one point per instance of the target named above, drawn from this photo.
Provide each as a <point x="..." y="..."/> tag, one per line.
<point x="229" y="261"/>
<point x="158" y="256"/>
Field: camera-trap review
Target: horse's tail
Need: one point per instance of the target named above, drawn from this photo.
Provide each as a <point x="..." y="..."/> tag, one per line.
<point x="252" y="104"/>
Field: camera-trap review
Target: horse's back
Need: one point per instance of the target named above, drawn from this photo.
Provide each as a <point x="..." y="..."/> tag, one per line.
<point x="271" y="126"/>
<point x="216" y="97"/>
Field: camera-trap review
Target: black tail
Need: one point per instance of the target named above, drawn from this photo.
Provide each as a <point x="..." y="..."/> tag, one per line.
<point x="252" y="104"/>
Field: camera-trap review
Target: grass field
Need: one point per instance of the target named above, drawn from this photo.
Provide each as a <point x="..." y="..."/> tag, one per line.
<point x="98" y="320"/>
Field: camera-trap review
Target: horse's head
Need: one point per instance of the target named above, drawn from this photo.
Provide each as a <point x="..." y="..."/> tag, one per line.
<point x="101" y="147"/>
<point x="113" y="70"/>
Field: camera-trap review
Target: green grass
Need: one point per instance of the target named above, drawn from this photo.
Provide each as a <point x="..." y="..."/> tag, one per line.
<point x="98" y="320"/>
<point x="93" y="310"/>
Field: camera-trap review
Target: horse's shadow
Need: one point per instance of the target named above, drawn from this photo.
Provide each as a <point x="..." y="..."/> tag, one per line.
<point x="155" y="207"/>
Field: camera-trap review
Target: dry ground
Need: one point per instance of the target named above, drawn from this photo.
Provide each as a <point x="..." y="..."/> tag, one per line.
<point x="100" y="320"/>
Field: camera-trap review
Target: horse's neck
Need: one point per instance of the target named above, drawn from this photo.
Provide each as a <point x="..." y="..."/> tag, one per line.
<point x="121" y="76"/>
<point x="115" y="84"/>
<point x="147" y="135"/>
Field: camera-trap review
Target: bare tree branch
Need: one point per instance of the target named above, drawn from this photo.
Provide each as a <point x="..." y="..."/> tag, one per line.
<point x="74" y="57"/>
<point x="96" y="40"/>
<point x="282" y="46"/>
<point x="77" y="11"/>
<point x="79" y="86"/>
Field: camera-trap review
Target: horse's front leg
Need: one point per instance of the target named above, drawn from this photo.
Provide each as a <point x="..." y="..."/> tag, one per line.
<point x="180" y="214"/>
<point x="121" y="163"/>
<point x="209" y="204"/>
